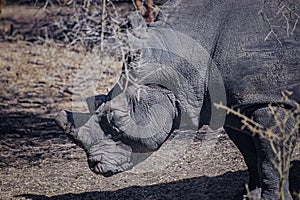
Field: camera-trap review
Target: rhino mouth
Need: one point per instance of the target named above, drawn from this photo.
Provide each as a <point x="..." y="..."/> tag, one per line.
<point x="106" y="169"/>
<point x="109" y="157"/>
<point x="99" y="168"/>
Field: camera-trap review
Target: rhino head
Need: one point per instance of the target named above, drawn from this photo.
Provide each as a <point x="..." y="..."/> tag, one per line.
<point x="170" y="76"/>
<point x="126" y="126"/>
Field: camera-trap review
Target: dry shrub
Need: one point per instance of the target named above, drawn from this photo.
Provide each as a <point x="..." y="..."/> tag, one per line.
<point x="281" y="144"/>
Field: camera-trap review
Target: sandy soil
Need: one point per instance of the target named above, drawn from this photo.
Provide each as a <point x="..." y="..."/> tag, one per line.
<point x="38" y="162"/>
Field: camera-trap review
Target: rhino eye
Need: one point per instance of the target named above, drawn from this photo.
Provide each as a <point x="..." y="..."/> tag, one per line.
<point x="110" y="116"/>
<point x="110" y="120"/>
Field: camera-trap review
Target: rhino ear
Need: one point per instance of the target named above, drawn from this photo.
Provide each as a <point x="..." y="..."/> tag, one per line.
<point x="94" y="102"/>
<point x="147" y="117"/>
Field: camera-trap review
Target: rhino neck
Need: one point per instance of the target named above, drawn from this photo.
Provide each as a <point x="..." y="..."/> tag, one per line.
<point x="177" y="54"/>
<point x="200" y="20"/>
<point x="174" y="61"/>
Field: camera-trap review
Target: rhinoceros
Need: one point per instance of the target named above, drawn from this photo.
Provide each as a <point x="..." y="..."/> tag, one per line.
<point x="197" y="53"/>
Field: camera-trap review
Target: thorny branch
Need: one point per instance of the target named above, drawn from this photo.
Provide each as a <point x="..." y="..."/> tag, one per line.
<point x="281" y="144"/>
<point x="280" y="15"/>
<point x="75" y="23"/>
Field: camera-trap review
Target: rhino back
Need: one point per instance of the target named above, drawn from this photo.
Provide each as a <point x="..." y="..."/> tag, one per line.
<point x="255" y="68"/>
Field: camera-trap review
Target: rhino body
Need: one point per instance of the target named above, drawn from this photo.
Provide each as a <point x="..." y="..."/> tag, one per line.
<point x="196" y="54"/>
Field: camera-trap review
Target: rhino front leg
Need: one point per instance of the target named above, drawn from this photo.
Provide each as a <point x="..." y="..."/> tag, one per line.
<point x="246" y="145"/>
<point x="282" y="149"/>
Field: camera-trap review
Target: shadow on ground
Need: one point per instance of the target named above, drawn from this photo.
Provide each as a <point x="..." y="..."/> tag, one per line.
<point x="23" y="133"/>
<point x="194" y="188"/>
<point x="19" y="132"/>
<point x="204" y="187"/>
<point x="27" y="125"/>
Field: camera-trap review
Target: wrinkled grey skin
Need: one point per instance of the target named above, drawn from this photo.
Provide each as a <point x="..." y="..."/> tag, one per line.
<point x="197" y="53"/>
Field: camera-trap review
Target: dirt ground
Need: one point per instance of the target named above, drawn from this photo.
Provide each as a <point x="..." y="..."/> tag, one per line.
<point x="38" y="162"/>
